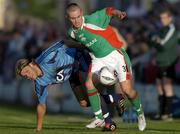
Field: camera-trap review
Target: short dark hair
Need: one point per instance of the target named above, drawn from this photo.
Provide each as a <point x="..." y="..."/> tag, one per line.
<point x="167" y="11"/>
<point x="72" y="7"/>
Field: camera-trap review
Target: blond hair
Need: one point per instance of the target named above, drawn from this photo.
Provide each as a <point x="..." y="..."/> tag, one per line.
<point x="20" y="64"/>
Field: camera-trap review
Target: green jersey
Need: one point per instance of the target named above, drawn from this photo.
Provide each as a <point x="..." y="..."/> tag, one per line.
<point x="96" y="33"/>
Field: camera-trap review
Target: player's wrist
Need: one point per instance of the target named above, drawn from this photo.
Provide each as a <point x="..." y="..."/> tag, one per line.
<point x="119" y="14"/>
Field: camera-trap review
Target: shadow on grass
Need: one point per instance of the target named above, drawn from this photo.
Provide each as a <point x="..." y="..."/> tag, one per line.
<point x="16" y="125"/>
<point x="71" y="127"/>
<point x="61" y="126"/>
<point x="164" y="130"/>
<point x="32" y="126"/>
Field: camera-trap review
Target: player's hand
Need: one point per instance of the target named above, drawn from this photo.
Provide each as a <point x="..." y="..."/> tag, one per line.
<point x="83" y="103"/>
<point x="156" y="39"/>
<point x="120" y="14"/>
<point x="121" y="104"/>
<point x="37" y="129"/>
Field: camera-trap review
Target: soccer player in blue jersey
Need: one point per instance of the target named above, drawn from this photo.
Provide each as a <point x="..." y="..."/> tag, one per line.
<point x="54" y="65"/>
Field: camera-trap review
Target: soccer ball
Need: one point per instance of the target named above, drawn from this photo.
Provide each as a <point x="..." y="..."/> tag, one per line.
<point x="107" y="76"/>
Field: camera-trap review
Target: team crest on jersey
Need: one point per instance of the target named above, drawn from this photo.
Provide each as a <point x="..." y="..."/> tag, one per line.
<point x="83" y="39"/>
<point x="81" y="35"/>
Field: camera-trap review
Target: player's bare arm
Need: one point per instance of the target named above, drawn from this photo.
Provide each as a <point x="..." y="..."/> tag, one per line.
<point x="73" y="44"/>
<point x="41" y="110"/>
<point x="119" y="14"/>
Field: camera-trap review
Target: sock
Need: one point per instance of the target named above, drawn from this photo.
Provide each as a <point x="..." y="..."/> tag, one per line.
<point x="161" y="99"/>
<point x="95" y="102"/>
<point x="105" y="111"/>
<point x="137" y="105"/>
<point x="114" y="98"/>
<point x="168" y="105"/>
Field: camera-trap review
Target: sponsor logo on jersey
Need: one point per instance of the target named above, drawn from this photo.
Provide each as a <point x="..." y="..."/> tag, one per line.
<point x="91" y="43"/>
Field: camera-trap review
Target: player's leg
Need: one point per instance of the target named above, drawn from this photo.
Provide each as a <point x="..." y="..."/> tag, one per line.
<point x="84" y="60"/>
<point x="92" y="92"/>
<point x="109" y="124"/>
<point x="105" y="111"/>
<point x="124" y="71"/>
<point x="135" y="101"/>
<point x="77" y="81"/>
<point x="119" y="98"/>
<point x="93" y="95"/>
<point x="112" y="97"/>
<point x="161" y="93"/>
<point x="168" y="91"/>
<point x="82" y="98"/>
<point x="99" y="65"/>
<point x="107" y="98"/>
<point x="106" y="115"/>
<point x="161" y="98"/>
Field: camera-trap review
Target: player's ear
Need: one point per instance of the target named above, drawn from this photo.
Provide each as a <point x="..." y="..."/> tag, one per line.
<point x="67" y="15"/>
<point x="30" y="64"/>
<point x="81" y="12"/>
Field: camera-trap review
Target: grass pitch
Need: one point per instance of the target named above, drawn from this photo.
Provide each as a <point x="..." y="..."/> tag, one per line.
<point x="18" y="120"/>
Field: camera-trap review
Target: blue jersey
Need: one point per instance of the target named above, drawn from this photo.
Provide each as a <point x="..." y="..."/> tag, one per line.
<point x="56" y="63"/>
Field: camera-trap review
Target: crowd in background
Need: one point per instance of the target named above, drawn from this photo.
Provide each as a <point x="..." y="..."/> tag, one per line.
<point x="138" y="29"/>
<point x="28" y="39"/>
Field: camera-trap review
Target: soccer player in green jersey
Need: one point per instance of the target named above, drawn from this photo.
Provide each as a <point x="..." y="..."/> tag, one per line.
<point x="98" y="36"/>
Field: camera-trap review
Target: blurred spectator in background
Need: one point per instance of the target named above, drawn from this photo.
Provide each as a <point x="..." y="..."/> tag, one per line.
<point x="5" y="37"/>
<point x="136" y="9"/>
<point x="165" y="42"/>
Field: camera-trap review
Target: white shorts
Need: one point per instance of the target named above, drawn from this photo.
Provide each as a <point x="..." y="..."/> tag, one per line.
<point x="115" y="61"/>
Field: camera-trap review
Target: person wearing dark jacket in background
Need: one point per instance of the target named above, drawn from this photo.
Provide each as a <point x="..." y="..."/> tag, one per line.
<point x="166" y="56"/>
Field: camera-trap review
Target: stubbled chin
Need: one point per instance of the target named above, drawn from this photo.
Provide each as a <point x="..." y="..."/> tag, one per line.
<point x="78" y="26"/>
